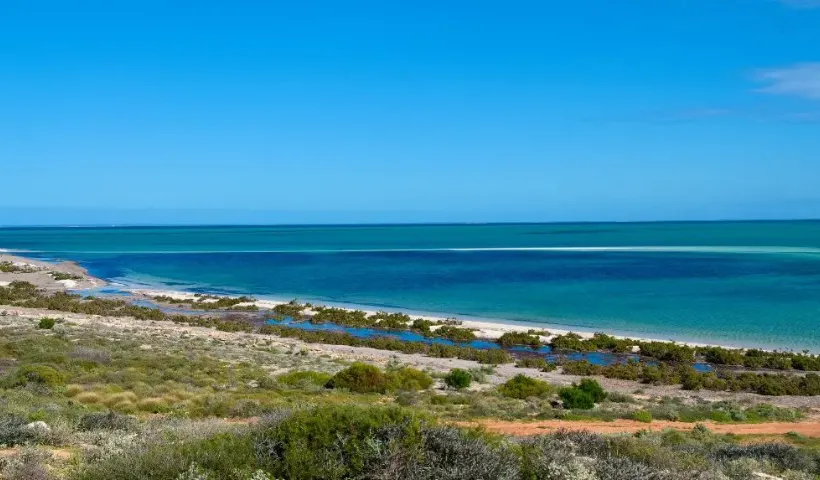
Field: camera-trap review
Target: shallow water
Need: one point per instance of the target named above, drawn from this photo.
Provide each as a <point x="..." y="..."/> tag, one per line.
<point x="735" y="283"/>
<point x="596" y="358"/>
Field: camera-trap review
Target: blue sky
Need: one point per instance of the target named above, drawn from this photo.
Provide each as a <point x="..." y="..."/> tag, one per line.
<point x="142" y="112"/>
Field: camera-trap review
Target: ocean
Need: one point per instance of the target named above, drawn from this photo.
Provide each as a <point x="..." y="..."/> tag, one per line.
<point x="733" y="283"/>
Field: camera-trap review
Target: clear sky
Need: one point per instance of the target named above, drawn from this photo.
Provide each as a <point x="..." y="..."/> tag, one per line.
<point x="235" y="112"/>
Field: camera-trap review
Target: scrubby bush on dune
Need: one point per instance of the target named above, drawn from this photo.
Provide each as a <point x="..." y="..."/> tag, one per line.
<point x="574" y="397"/>
<point x="409" y="379"/>
<point x="458" y="379"/>
<point x="46" y="323"/>
<point x="593" y="388"/>
<point x="522" y="387"/>
<point x="360" y="378"/>
<point x="584" y="395"/>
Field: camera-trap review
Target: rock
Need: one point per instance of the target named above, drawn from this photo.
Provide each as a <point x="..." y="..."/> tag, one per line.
<point x="146" y="347"/>
<point x="38" y="426"/>
<point x="635" y="349"/>
<point x="253" y="384"/>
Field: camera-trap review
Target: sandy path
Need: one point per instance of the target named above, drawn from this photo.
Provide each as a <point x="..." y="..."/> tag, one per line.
<point x="808" y="429"/>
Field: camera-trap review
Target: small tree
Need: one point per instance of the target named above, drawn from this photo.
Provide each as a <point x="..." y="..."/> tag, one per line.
<point x="574" y="397"/>
<point x="594" y="389"/>
<point x="458" y="379"/>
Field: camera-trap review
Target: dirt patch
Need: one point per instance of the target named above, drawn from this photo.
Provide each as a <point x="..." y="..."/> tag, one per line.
<point x="57" y="453"/>
<point x="808" y="429"/>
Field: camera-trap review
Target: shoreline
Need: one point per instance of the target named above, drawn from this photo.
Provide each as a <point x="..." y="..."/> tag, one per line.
<point x="490" y="329"/>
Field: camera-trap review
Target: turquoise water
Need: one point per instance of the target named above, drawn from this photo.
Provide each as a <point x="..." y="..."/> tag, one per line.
<point x="737" y="283"/>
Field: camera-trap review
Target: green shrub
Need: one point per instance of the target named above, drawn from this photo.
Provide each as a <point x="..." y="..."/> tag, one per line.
<point x="594" y="389"/>
<point x="522" y="386"/>
<point x="46" y="323"/>
<point x="456" y="334"/>
<point x="458" y="379"/>
<point x="642" y="416"/>
<point x="218" y="456"/>
<point x="360" y="378"/>
<point x="299" y="378"/>
<point x="510" y="339"/>
<point x="409" y="379"/>
<point x="338" y="442"/>
<point x="39" y="374"/>
<point x="574" y="397"/>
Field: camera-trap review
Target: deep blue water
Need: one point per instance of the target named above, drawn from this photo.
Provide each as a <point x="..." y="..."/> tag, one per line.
<point x="737" y="283"/>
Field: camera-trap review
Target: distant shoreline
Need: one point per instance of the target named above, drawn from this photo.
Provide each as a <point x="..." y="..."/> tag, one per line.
<point x="486" y="327"/>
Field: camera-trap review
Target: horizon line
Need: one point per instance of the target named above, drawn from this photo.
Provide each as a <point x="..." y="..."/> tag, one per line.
<point x="400" y="224"/>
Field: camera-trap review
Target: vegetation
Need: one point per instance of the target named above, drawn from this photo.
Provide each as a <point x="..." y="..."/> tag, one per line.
<point x="458" y="379"/>
<point x="210" y="302"/>
<point x="510" y="339"/>
<point x="691" y="379"/>
<point x="9" y="267"/>
<point x="673" y="369"/>
<point x="584" y="395"/>
<point x="65" y="276"/>
<point x="341" y="442"/>
<point x="677" y="353"/>
<point x="523" y="387"/>
<point x="140" y="402"/>
<point x="494" y="357"/>
<point x="46" y="323"/>
<point x="643" y="416"/>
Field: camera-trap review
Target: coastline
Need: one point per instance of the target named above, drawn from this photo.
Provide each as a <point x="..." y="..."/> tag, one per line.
<point x="44" y="274"/>
<point x="490" y="329"/>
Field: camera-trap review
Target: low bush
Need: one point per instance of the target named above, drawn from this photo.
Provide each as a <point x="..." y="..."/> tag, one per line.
<point x="643" y="416"/>
<point x="510" y="339"/>
<point x="300" y="378"/>
<point x="575" y="398"/>
<point x="522" y="387"/>
<point x="46" y="323"/>
<point x="409" y="379"/>
<point x="593" y="388"/>
<point x="360" y="378"/>
<point x="13" y="430"/>
<point x="455" y="334"/>
<point x="336" y="442"/>
<point x="39" y="374"/>
<point x="105" y="421"/>
<point x="458" y="379"/>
